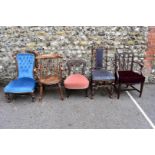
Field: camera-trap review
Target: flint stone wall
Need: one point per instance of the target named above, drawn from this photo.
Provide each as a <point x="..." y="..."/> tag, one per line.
<point x="71" y="42"/>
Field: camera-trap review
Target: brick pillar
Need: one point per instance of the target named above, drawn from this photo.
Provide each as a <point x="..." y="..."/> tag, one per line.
<point x="150" y="53"/>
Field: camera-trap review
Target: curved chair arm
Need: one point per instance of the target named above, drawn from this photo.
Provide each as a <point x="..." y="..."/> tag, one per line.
<point x="140" y="64"/>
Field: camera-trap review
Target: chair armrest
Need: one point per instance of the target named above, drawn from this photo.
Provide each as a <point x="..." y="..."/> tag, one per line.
<point x="140" y="64"/>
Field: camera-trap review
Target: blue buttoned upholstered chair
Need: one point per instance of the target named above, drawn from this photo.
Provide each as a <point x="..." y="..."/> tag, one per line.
<point x="25" y="82"/>
<point x="100" y="75"/>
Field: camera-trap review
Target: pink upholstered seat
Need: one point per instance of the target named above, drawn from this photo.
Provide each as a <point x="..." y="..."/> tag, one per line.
<point x="76" y="81"/>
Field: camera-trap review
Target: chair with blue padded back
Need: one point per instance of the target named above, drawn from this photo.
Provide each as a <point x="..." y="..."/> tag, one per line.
<point x="100" y="75"/>
<point x="25" y="82"/>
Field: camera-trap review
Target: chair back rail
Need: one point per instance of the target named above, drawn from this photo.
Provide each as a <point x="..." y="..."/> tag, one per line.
<point x="125" y="71"/>
<point x="76" y="63"/>
<point x="99" y="57"/>
<point x="124" y="60"/>
<point x="49" y="65"/>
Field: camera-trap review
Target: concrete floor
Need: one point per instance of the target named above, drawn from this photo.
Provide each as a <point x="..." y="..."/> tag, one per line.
<point x="78" y="111"/>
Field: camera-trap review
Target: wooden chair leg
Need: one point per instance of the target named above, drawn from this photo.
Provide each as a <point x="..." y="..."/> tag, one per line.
<point x="141" y="88"/>
<point x="127" y="86"/>
<point x="41" y="92"/>
<point x="86" y="92"/>
<point x="60" y="91"/>
<point x="112" y="90"/>
<point x="118" y="90"/>
<point x="33" y="97"/>
<point x="8" y="98"/>
<point x="67" y="92"/>
<point x="92" y="90"/>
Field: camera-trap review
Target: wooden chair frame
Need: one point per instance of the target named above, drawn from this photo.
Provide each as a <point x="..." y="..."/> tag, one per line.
<point x="127" y="57"/>
<point x="95" y="84"/>
<point x="49" y="80"/>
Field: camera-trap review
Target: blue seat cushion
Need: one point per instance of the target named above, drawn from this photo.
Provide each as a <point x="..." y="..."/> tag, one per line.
<point x="103" y="75"/>
<point x="21" y="85"/>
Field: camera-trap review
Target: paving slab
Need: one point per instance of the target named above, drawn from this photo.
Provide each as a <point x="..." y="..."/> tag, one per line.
<point x="75" y="112"/>
<point x="147" y="101"/>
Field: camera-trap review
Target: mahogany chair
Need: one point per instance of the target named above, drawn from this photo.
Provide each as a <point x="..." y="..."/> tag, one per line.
<point x="76" y="81"/>
<point x="25" y="82"/>
<point x="49" y="72"/>
<point x="101" y="75"/>
<point x="127" y="71"/>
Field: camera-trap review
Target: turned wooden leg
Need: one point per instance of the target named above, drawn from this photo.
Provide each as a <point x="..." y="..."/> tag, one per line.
<point x="118" y="91"/>
<point x="112" y="90"/>
<point x="60" y="91"/>
<point x="86" y="92"/>
<point x="8" y="98"/>
<point x="67" y="92"/>
<point x="141" y="88"/>
<point x="92" y="90"/>
<point x="41" y="92"/>
<point x="33" y="97"/>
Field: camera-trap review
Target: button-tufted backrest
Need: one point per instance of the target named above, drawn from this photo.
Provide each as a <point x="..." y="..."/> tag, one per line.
<point x="25" y="62"/>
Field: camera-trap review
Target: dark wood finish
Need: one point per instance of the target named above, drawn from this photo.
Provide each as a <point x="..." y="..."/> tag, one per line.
<point x="95" y="84"/>
<point x="49" y="72"/>
<point x="10" y="96"/>
<point x="124" y="61"/>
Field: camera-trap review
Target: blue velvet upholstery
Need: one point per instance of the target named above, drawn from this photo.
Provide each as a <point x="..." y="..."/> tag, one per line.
<point x="21" y="85"/>
<point x="99" y="58"/>
<point x="103" y="75"/>
<point x="25" y="63"/>
<point x="25" y="82"/>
